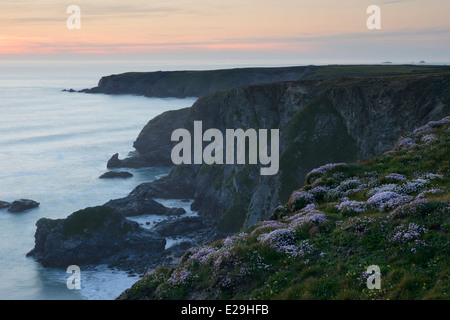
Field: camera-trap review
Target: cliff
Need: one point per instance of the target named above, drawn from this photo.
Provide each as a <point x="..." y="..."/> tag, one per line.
<point x="321" y="121"/>
<point x="390" y="212"/>
<point x="181" y="84"/>
<point x="191" y="83"/>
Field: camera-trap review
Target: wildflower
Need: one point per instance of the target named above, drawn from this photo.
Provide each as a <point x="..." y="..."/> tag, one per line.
<point x="326" y="168"/>
<point x="396" y="176"/>
<point x="351" y="205"/>
<point x="283" y="241"/>
<point x="179" y="276"/>
<point x="301" y="198"/>
<point x="380" y="199"/>
<point x="381" y="189"/>
<point x="428" y="138"/>
<point x="409" y="234"/>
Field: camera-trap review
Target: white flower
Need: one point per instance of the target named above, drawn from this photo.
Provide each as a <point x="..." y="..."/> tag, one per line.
<point x="378" y="200"/>
<point x="352" y="205"/>
<point x="396" y="176"/>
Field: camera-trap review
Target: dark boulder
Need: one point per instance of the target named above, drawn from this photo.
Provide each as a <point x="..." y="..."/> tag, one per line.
<point x="22" y="205"/>
<point x="116" y="174"/>
<point x="4" y="204"/>
<point x="132" y="206"/>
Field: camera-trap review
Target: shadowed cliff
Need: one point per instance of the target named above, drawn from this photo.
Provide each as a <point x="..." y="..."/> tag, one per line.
<point x="190" y="83"/>
<point x="321" y="121"/>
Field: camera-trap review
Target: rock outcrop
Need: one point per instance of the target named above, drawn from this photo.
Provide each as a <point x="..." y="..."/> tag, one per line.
<point x="178" y="227"/>
<point x="135" y="206"/>
<point x="97" y="235"/>
<point x="320" y="121"/>
<point x="102" y="235"/>
<point x="22" y="205"/>
<point x="4" y="204"/>
<point x="116" y="174"/>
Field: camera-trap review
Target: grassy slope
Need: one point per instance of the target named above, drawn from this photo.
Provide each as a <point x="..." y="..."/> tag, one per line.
<point x="322" y="240"/>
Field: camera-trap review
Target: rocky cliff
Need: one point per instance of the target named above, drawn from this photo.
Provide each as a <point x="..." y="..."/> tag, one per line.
<point x="182" y="84"/>
<point x="321" y="121"/>
<point x="385" y="217"/>
<point x="191" y="83"/>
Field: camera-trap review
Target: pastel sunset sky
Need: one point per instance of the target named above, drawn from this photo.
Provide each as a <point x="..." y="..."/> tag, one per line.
<point x="304" y="30"/>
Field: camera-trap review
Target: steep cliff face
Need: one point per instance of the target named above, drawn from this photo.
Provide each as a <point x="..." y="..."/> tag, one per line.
<point x="391" y="211"/>
<point x="183" y="84"/>
<point x="193" y="83"/>
<point x="320" y="121"/>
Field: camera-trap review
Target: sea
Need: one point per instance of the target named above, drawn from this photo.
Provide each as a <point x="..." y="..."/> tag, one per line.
<point x="54" y="145"/>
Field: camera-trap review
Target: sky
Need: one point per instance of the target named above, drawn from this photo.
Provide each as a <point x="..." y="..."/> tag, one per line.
<point x="276" y="31"/>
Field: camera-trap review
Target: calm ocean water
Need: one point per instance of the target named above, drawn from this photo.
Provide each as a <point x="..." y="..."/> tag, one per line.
<point x="53" y="147"/>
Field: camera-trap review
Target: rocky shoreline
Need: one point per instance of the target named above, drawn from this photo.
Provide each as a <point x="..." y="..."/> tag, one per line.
<point x="321" y="121"/>
<point x="103" y="235"/>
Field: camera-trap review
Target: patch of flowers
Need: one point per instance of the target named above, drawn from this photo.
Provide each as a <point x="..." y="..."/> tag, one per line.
<point x="268" y="224"/>
<point x="439" y="123"/>
<point x="405" y="143"/>
<point x="430" y="191"/>
<point x="396" y="176"/>
<point x="396" y="202"/>
<point x="356" y="224"/>
<point x="284" y="241"/>
<point x="423" y="129"/>
<point x="427" y="139"/>
<point x="301" y="198"/>
<point x="414" y="207"/>
<point x="306" y="215"/>
<point x="346" y="188"/>
<point x="411" y="187"/>
<point x="380" y="200"/>
<point x="432" y="176"/>
<point x="319" y="191"/>
<point x="179" y="276"/>
<point x="352" y="206"/>
<point x="410" y="234"/>
<point x="326" y="168"/>
<point x="155" y="276"/>
<point x="203" y="255"/>
<point x="315" y="173"/>
<point x="382" y="188"/>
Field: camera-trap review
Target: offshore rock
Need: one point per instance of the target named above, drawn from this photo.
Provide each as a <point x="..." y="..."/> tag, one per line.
<point x="22" y="205"/>
<point x="4" y="204"/>
<point x="96" y="235"/>
<point x="116" y="174"/>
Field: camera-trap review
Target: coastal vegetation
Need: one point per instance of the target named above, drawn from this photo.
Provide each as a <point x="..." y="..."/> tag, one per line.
<point x="391" y="211"/>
